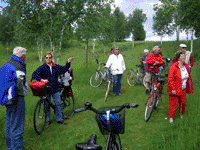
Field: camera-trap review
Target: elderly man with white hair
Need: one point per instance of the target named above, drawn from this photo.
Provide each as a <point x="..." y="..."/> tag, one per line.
<point x="154" y="60"/>
<point x="13" y="89"/>
<point x="143" y="61"/>
<point x="189" y="58"/>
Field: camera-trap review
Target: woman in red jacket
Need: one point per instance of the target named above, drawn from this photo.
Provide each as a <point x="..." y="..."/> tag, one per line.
<point x="179" y="84"/>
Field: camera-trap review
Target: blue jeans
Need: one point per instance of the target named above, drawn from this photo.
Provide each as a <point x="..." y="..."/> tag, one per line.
<point x="58" y="110"/>
<point x="117" y="83"/>
<point x="14" y="126"/>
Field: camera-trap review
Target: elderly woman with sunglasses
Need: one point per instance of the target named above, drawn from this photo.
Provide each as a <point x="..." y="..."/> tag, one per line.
<point x="179" y="84"/>
<point x="51" y="70"/>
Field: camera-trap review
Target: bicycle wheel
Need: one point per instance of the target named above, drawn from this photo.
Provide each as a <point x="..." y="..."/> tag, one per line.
<point x="132" y="78"/>
<point x="107" y="90"/>
<point x="40" y="117"/>
<point x="113" y="142"/>
<point x="68" y="106"/>
<point x="96" y="79"/>
<point x="149" y="106"/>
<point x="144" y="81"/>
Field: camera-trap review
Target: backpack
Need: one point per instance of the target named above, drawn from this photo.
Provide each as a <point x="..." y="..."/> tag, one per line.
<point x="8" y="83"/>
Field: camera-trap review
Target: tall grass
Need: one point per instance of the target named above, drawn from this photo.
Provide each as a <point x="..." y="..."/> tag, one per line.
<point x="157" y="133"/>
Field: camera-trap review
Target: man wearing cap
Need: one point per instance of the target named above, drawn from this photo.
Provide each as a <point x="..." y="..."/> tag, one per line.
<point x="15" y="107"/>
<point x="143" y="61"/>
<point x="189" y="58"/>
<point x="154" y="60"/>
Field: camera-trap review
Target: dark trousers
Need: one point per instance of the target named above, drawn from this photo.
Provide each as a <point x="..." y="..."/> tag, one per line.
<point x="14" y="126"/>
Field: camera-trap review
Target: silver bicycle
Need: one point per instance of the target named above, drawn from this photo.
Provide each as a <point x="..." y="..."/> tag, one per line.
<point x="98" y="77"/>
<point x="135" y="76"/>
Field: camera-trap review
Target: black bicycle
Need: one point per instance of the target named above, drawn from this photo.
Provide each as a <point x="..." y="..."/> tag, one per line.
<point x="67" y="105"/>
<point x="111" y="122"/>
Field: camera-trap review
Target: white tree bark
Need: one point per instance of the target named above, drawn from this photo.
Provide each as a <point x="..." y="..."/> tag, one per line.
<point x="93" y="46"/>
<point x="192" y="35"/>
<point x="133" y="41"/>
<point x="61" y="35"/>
<point x="177" y="33"/>
<point x="187" y="35"/>
<point x="39" y="55"/>
<point x="161" y="37"/>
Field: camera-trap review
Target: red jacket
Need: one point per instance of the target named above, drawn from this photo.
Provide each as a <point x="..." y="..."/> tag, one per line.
<point x="191" y="60"/>
<point x="175" y="81"/>
<point x="151" y="58"/>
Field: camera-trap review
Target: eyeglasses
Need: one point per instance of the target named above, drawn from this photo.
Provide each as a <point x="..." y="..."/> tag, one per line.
<point x="48" y="57"/>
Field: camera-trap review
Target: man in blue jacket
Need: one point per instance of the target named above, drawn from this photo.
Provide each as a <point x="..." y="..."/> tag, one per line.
<point x="15" y="87"/>
<point x="51" y="70"/>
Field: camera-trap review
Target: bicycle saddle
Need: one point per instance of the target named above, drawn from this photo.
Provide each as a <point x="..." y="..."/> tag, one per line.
<point x="86" y="146"/>
<point x="160" y="80"/>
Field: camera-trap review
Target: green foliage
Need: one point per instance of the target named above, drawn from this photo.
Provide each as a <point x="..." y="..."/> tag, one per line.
<point x="135" y="24"/>
<point x="120" y="25"/>
<point x="189" y="12"/>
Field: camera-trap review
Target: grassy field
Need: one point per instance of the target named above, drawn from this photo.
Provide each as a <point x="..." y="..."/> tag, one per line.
<point x="157" y="133"/>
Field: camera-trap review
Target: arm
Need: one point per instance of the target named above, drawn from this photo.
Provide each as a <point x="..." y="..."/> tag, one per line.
<point x="191" y="61"/>
<point x="37" y="74"/>
<point x="109" y="62"/>
<point x="170" y="78"/>
<point x="63" y="69"/>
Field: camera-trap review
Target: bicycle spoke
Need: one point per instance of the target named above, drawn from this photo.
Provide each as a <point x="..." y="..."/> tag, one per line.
<point x="132" y="78"/>
<point x="68" y="106"/>
<point x="96" y="79"/>
<point x="39" y="117"/>
<point x="149" y="106"/>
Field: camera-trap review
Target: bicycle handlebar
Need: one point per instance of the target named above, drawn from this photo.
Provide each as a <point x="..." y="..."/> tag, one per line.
<point x="88" y="105"/>
<point x="157" y="74"/>
<point x="100" y="62"/>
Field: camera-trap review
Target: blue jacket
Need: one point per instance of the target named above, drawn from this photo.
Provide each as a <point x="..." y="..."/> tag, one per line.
<point x="43" y="72"/>
<point x="9" y="79"/>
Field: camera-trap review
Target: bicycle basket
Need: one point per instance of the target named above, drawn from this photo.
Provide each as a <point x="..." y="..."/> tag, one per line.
<point x="117" y="121"/>
<point x="38" y="88"/>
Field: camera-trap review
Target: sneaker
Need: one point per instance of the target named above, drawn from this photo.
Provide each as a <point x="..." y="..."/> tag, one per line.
<point x="62" y="122"/>
<point x="119" y="94"/>
<point x="48" y="122"/>
<point x="114" y="95"/>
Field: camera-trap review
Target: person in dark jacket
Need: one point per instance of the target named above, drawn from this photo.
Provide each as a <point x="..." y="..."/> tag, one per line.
<point x="15" y="107"/>
<point x="143" y="61"/>
<point x="51" y="70"/>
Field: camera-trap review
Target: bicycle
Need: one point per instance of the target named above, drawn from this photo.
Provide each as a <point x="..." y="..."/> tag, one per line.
<point x="111" y="122"/>
<point x="135" y="76"/>
<point x="67" y="105"/>
<point x="156" y="87"/>
<point x="98" y="77"/>
<point x="108" y="83"/>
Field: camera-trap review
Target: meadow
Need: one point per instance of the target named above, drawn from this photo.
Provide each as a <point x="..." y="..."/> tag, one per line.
<point x="157" y="133"/>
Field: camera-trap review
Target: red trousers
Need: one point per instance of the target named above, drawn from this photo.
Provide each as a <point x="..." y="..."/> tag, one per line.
<point x="173" y="103"/>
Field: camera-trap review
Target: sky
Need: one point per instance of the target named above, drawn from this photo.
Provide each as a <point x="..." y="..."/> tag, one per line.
<point x="128" y="6"/>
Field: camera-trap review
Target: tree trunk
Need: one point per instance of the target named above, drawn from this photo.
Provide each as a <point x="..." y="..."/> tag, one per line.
<point x="40" y="56"/>
<point x="192" y="40"/>
<point x="133" y="41"/>
<point x="187" y="35"/>
<point x="104" y="50"/>
<point x="177" y="34"/>
<point x="60" y="44"/>
<point x="161" y="37"/>
<point x="93" y="46"/>
<point x="87" y="53"/>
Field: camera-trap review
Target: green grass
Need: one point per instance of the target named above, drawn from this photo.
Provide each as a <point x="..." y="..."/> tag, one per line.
<point x="157" y="133"/>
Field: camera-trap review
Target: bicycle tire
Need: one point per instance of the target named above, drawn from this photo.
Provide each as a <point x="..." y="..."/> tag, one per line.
<point x="107" y="89"/>
<point x="68" y="106"/>
<point x="40" y="116"/>
<point x="132" y="77"/>
<point x="96" y="79"/>
<point x="113" y="142"/>
<point x="149" y="106"/>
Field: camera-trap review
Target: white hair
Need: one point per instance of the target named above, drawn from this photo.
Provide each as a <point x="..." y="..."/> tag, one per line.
<point x="19" y="51"/>
<point x="155" y="47"/>
<point x="146" y="50"/>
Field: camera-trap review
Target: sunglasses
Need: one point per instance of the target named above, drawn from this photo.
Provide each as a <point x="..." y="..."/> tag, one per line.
<point x="48" y="57"/>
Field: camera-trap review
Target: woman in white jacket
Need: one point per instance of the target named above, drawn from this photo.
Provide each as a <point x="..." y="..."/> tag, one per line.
<point x="116" y="61"/>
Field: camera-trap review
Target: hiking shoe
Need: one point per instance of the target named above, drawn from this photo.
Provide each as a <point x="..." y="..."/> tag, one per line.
<point x="114" y="95"/>
<point x="119" y="94"/>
